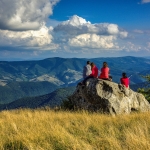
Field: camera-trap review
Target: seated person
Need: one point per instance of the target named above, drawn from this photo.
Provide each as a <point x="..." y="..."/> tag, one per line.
<point x="87" y="70"/>
<point x="124" y="80"/>
<point x="94" y="73"/>
<point x="105" y="72"/>
<point x="94" y="70"/>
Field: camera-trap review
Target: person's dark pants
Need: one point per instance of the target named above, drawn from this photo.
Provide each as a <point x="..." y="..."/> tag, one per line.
<point x="104" y="78"/>
<point x="85" y="79"/>
<point x="109" y="79"/>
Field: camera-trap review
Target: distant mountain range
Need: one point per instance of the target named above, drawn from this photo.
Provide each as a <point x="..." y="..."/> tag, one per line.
<point x="20" y="79"/>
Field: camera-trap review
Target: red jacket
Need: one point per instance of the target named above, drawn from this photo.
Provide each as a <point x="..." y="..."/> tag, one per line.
<point x="104" y="73"/>
<point x="125" y="81"/>
<point x="94" y="72"/>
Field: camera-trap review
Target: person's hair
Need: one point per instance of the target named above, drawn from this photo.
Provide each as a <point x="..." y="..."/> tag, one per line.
<point x="124" y="75"/>
<point x="88" y="62"/>
<point x="105" y="64"/>
<point x="92" y="65"/>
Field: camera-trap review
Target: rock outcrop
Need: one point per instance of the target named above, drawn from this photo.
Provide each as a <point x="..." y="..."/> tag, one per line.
<point x="108" y="97"/>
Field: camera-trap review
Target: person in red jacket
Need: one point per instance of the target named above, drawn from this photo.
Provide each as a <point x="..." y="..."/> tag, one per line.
<point x="124" y="80"/>
<point x="94" y="73"/>
<point x="104" y="72"/>
<point x="94" y="70"/>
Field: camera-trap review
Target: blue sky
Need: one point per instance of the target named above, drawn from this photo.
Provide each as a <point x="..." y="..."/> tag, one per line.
<point x="125" y="13"/>
<point x="74" y="28"/>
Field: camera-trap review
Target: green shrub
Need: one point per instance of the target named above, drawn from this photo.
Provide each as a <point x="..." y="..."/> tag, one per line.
<point x="146" y="90"/>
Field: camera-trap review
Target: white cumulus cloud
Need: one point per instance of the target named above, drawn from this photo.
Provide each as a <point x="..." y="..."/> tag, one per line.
<point x="20" y="15"/>
<point x="77" y="25"/>
<point x="77" y="32"/>
<point x="92" y="41"/>
<point x="39" y="39"/>
<point x="74" y="36"/>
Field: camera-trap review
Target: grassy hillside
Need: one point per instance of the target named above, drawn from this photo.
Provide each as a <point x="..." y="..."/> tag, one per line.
<point x="48" y="130"/>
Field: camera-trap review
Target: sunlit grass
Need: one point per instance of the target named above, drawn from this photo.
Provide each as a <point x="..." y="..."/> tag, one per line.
<point x="47" y="130"/>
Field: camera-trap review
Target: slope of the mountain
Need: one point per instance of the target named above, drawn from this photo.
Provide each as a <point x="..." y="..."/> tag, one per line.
<point x="135" y="87"/>
<point x="16" y="90"/>
<point x="69" y="70"/>
<point x="145" y="72"/>
<point x="52" y="99"/>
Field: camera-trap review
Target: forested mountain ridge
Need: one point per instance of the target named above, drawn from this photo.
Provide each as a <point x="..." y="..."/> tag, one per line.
<point x="66" y="70"/>
<point x="52" y="100"/>
<point x="16" y="90"/>
<point x="20" y="79"/>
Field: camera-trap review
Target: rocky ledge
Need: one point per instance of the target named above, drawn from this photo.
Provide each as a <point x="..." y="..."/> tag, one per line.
<point x="108" y="97"/>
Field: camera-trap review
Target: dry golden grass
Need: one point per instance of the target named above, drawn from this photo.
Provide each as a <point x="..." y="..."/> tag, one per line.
<point x="49" y="130"/>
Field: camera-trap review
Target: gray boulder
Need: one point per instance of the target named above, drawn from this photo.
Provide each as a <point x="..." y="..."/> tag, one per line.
<point x="108" y="97"/>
